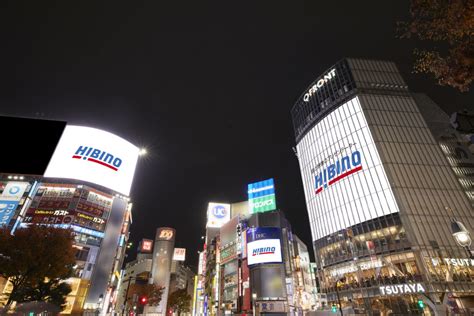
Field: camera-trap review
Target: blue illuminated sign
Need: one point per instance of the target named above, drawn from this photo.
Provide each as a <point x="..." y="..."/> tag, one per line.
<point x="259" y="233"/>
<point x="262" y="188"/>
<point x="7" y="210"/>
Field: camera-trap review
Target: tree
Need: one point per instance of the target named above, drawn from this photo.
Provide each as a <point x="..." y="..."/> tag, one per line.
<point x="35" y="260"/>
<point x="180" y="301"/>
<point x="447" y="26"/>
<point x="152" y="292"/>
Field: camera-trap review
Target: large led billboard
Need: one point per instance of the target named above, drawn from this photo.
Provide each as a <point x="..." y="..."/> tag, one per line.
<point x="217" y="214"/>
<point x="95" y="156"/>
<point x="263" y="245"/>
<point x="261" y="196"/>
<point x="343" y="177"/>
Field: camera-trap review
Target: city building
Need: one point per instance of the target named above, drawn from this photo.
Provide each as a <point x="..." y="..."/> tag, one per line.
<point x="159" y="263"/>
<point x="80" y="178"/>
<point x="389" y="217"/>
<point x="251" y="260"/>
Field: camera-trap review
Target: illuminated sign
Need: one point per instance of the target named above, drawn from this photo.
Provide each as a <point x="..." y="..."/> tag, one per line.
<point x="398" y="289"/>
<point x="342" y="140"/>
<point x="264" y="251"/>
<point x="9" y="200"/>
<point x="166" y="234"/>
<point x="263" y="245"/>
<point x="457" y="262"/>
<point x="321" y="82"/>
<point x="146" y="245"/>
<point x="217" y="214"/>
<point x="353" y="268"/>
<point x="14" y="190"/>
<point x="7" y="210"/>
<point x="261" y="196"/>
<point x="337" y="171"/>
<point x="179" y="254"/>
<point x="96" y="156"/>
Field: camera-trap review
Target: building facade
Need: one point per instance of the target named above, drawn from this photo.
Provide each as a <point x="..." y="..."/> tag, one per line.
<point x="80" y="180"/>
<point x="381" y="195"/>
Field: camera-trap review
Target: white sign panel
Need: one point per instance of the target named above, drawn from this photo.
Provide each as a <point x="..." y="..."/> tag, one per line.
<point x="179" y="254"/>
<point x="264" y="251"/>
<point x="96" y="156"/>
<point x="218" y="214"/>
<point x="14" y="191"/>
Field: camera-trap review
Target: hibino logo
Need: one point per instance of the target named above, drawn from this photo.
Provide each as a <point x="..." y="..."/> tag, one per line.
<point x="263" y="251"/>
<point x="338" y="170"/>
<point x="98" y="156"/>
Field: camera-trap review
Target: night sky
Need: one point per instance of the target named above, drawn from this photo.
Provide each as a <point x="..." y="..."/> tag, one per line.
<point x="206" y="87"/>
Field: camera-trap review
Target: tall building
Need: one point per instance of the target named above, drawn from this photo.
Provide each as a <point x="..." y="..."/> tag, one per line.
<point x="252" y="262"/>
<point x="382" y="198"/>
<point x="80" y="178"/>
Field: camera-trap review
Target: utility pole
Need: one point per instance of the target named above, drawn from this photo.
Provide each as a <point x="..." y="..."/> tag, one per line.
<point x="126" y="295"/>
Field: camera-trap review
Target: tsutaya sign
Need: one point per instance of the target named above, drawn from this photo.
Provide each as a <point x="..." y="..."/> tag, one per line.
<point x="398" y="289"/>
<point x="321" y="82"/>
<point x="457" y="262"/>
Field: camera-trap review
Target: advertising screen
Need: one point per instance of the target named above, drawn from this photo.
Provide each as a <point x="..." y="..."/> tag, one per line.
<point x="179" y="254"/>
<point x="261" y="196"/>
<point x="95" y="156"/>
<point x="343" y="177"/>
<point x="9" y="200"/>
<point x="263" y="245"/>
<point x="217" y="214"/>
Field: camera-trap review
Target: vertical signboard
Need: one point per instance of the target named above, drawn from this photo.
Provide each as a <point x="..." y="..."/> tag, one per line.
<point x="261" y="196"/>
<point x="9" y="200"/>
<point x="161" y="265"/>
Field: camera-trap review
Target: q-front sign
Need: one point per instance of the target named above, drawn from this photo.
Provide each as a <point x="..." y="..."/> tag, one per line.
<point x="321" y="82"/>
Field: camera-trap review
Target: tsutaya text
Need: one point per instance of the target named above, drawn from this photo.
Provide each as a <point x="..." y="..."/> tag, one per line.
<point x="397" y="289"/>
<point x="321" y="82"/>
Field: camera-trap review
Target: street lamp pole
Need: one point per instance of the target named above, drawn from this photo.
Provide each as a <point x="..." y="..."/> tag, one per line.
<point x="462" y="236"/>
<point x="126" y="295"/>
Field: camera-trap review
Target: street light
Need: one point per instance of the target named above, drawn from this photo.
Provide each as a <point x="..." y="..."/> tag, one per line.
<point x="254" y="297"/>
<point x="461" y="235"/>
<point x="142" y="151"/>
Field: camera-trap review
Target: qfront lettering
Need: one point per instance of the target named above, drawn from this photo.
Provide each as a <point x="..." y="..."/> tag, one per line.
<point x="338" y="170"/>
<point x="98" y="156"/>
<point x="321" y="82"/>
<point x="402" y="289"/>
<point x="263" y="251"/>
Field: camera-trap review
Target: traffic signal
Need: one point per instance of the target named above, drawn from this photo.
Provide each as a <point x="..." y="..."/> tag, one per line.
<point x="334" y="308"/>
<point x="143" y="300"/>
<point x="421" y="304"/>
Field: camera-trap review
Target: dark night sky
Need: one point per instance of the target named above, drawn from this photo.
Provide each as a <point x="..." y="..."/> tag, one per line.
<point x="207" y="87"/>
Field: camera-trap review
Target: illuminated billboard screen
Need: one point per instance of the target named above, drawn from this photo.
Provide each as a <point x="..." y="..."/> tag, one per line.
<point x="217" y="214"/>
<point x="344" y="181"/>
<point x="95" y="156"/>
<point x="261" y="196"/>
<point x="263" y="245"/>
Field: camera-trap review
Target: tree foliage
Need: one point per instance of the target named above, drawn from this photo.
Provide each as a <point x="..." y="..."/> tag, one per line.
<point x="180" y="301"/>
<point x="448" y="27"/>
<point x="35" y="260"/>
<point x="152" y="292"/>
